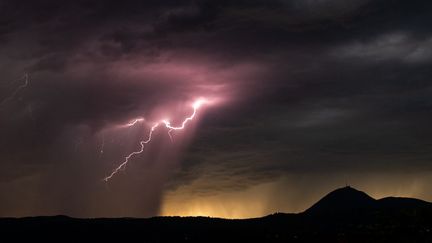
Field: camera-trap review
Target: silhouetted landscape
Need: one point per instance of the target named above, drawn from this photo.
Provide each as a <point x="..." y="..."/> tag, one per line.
<point x="344" y="215"/>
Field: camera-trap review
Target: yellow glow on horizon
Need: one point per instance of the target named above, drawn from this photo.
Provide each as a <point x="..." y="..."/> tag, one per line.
<point x="249" y="203"/>
<point x="286" y="194"/>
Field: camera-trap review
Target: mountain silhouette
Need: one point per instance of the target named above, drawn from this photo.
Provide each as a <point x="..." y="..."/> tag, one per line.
<point x="348" y="205"/>
<point x="343" y="215"/>
<point x="342" y="200"/>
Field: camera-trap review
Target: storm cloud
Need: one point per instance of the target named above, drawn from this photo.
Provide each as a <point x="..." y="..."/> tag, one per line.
<point x="313" y="94"/>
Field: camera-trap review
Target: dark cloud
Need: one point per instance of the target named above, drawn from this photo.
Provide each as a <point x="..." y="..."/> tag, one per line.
<point x="309" y="88"/>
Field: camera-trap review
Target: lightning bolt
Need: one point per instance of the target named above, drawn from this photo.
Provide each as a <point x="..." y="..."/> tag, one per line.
<point x="196" y="105"/>
<point x="133" y="122"/>
<point x="126" y="159"/>
<point x="17" y="90"/>
<point x="170" y="135"/>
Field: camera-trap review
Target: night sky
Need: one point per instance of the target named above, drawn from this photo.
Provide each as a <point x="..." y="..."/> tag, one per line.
<point x="304" y="96"/>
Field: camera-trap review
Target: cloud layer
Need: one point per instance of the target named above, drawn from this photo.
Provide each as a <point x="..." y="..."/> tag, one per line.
<point x="306" y="89"/>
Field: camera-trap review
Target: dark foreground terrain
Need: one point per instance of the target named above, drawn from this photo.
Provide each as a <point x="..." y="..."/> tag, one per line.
<point x="344" y="215"/>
